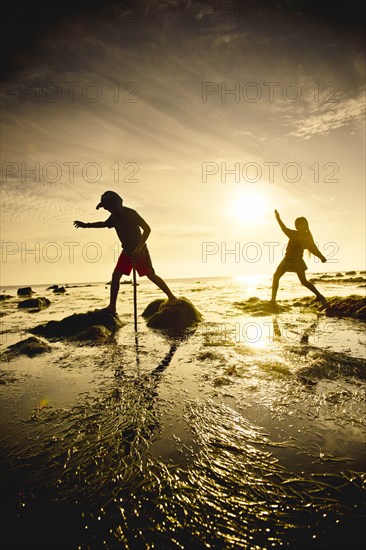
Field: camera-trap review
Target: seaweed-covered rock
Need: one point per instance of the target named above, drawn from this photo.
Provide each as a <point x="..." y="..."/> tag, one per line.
<point x="178" y="317"/>
<point x="4" y="297"/>
<point x="25" y="291"/>
<point x="349" y="306"/>
<point x="31" y="347"/>
<point x="95" y="333"/>
<point x="34" y="303"/>
<point x="73" y="324"/>
<point x="331" y="365"/>
<point x="260" y="308"/>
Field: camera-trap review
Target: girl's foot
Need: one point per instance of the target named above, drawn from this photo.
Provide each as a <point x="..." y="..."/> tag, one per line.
<point x="322" y="299"/>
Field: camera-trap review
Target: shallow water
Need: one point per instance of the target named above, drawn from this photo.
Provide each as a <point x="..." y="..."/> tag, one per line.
<point x="245" y="433"/>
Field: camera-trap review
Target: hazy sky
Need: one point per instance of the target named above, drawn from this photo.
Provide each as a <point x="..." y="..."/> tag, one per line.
<point x="203" y="116"/>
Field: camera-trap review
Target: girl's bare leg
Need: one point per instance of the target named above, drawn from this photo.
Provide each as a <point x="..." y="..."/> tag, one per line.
<point x="275" y="282"/>
<point x="309" y="285"/>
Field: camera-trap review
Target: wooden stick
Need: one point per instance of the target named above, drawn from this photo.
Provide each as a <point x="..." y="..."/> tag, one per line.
<point x="134" y="298"/>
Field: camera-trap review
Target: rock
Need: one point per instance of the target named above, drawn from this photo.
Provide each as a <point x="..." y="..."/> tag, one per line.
<point x="34" y="303"/>
<point x="5" y="297"/>
<point x="339" y="274"/>
<point x="95" y="333"/>
<point x="25" y="291"/>
<point x="53" y="287"/>
<point x="253" y="299"/>
<point x="59" y="290"/>
<point x="259" y="308"/>
<point x="31" y="347"/>
<point x="178" y="317"/>
<point x="351" y="306"/>
<point x="74" y="324"/>
<point x="350" y="272"/>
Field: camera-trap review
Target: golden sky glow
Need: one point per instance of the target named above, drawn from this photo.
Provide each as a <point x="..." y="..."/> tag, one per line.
<point x="250" y="207"/>
<point x="201" y="125"/>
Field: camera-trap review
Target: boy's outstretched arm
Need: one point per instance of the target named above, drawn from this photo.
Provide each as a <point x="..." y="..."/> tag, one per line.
<point x="285" y="229"/>
<point x="78" y="224"/>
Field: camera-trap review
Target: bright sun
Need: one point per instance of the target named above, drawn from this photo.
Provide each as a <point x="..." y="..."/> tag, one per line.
<point x="249" y="207"/>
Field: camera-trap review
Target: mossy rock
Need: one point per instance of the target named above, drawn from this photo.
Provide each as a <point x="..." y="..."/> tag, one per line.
<point x="178" y="317"/>
<point x="95" y="333"/>
<point x="34" y="303"/>
<point x="31" y="347"/>
<point x="351" y="306"/>
<point x="260" y="308"/>
<point x="74" y="324"/>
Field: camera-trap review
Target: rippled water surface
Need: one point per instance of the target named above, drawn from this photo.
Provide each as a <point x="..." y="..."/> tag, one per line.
<point x="245" y="432"/>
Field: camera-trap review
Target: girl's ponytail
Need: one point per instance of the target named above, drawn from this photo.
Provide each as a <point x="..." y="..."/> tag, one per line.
<point x="302" y="225"/>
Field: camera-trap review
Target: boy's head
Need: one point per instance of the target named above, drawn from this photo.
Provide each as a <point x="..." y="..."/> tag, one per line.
<point x="110" y="201"/>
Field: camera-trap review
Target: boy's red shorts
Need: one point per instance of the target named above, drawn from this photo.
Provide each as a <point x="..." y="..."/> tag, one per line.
<point x="142" y="263"/>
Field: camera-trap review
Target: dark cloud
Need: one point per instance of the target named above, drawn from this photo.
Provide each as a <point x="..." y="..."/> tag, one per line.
<point x="24" y="25"/>
<point x="27" y="24"/>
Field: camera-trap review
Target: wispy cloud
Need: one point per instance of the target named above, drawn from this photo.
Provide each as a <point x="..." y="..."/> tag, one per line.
<point x="342" y="113"/>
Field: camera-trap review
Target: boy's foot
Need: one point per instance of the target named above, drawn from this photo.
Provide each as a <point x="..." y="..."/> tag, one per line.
<point x="171" y="302"/>
<point x="109" y="309"/>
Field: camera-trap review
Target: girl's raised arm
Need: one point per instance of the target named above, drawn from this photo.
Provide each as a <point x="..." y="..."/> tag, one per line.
<point x="285" y="229"/>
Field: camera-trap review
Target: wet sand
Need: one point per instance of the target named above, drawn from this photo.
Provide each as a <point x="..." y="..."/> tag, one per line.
<point x="247" y="432"/>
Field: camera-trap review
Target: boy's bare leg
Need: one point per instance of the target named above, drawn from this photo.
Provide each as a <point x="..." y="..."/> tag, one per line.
<point x="172" y="300"/>
<point x="116" y="277"/>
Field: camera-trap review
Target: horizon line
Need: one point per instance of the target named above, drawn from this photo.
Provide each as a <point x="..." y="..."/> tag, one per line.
<point x="179" y="278"/>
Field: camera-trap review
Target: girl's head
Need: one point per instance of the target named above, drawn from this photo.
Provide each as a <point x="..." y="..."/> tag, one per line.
<point x="302" y="225"/>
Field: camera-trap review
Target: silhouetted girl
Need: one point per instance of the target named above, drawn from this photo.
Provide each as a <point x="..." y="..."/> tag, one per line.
<point x="300" y="239"/>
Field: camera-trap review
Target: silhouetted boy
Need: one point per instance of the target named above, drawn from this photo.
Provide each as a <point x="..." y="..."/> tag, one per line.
<point x="127" y="223"/>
